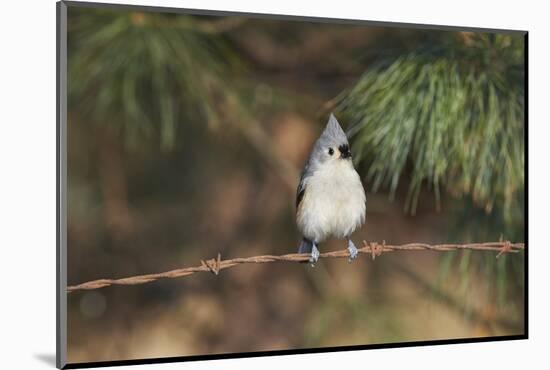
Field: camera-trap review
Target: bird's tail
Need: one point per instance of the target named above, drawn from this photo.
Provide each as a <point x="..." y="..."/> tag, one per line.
<point x="305" y="246"/>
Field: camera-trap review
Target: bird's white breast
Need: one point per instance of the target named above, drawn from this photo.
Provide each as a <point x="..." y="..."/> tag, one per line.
<point x="333" y="204"/>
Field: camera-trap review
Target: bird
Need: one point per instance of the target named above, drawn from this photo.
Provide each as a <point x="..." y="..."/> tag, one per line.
<point x="330" y="199"/>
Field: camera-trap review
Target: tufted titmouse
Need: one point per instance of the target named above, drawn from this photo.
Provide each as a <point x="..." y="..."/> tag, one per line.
<point x="330" y="200"/>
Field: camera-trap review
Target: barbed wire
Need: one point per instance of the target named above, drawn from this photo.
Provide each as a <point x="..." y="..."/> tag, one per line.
<point x="374" y="249"/>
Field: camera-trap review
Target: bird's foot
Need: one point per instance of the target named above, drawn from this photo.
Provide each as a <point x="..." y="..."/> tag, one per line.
<point x="314" y="255"/>
<point x="352" y="251"/>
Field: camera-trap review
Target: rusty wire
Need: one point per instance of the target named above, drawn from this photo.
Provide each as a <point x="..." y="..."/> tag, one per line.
<point x="215" y="265"/>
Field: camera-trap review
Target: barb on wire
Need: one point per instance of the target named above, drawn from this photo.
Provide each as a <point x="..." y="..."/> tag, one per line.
<point x="215" y="265"/>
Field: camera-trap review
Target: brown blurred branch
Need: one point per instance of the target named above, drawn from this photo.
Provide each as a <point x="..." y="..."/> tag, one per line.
<point x="220" y="25"/>
<point x="261" y="142"/>
<point x="374" y="249"/>
<point x="315" y="45"/>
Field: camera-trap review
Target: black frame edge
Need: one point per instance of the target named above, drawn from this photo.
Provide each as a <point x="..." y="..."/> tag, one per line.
<point x="526" y="189"/>
<point x="222" y="356"/>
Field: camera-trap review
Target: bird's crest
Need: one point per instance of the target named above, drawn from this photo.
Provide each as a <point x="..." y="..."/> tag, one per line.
<point x="333" y="132"/>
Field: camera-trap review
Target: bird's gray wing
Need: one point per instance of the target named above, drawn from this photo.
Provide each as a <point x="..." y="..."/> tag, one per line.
<point x="302" y="185"/>
<point x="300" y="193"/>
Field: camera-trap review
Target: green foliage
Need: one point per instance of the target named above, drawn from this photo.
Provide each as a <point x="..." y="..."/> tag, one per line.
<point x="451" y="113"/>
<point x="502" y="277"/>
<point x="142" y="74"/>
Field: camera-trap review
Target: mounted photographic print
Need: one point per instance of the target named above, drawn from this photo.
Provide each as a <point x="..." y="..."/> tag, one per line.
<point x="235" y="185"/>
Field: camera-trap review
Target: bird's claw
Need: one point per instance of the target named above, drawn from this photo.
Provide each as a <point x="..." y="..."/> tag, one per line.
<point x="352" y="251"/>
<point x="314" y="255"/>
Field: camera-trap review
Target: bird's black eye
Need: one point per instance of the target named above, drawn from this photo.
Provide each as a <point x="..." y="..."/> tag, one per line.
<point x="330" y="151"/>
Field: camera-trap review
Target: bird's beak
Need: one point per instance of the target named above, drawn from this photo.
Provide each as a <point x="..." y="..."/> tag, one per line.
<point x="345" y="154"/>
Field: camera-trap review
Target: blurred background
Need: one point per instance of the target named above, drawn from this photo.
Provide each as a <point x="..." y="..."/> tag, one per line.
<point x="186" y="135"/>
